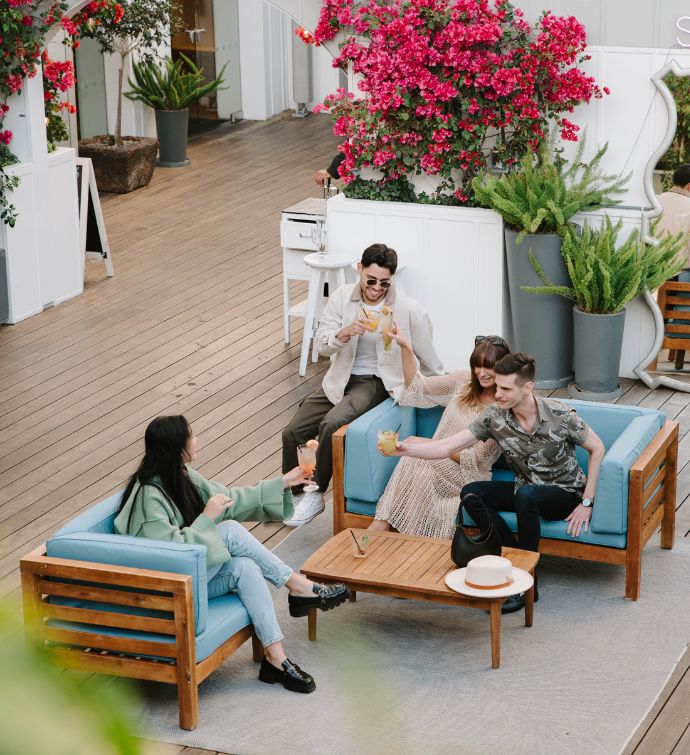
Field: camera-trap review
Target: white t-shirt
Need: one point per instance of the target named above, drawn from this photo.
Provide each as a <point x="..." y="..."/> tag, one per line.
<point x="366" y="360"/>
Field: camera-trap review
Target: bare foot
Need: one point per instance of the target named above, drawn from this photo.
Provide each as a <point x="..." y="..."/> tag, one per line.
<point x="379" y="525"/>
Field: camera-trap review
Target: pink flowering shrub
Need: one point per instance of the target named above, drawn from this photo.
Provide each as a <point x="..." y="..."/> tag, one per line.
<point x="448" y="84"/>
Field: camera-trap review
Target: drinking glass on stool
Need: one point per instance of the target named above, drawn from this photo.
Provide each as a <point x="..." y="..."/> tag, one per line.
<point x="318" y="237"/>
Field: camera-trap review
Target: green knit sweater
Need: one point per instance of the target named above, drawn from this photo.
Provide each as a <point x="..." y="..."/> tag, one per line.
<point x="155" y="516"/>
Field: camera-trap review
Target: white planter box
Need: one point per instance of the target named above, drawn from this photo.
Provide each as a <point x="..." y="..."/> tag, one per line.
<point x="454" y="263"/>
<point x="41" y="253"/>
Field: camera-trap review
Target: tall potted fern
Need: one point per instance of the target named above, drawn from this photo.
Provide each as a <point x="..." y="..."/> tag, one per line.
<point x="536" y="200"/>
<point x="605" y="276"/>
<point x="170" y="89"/>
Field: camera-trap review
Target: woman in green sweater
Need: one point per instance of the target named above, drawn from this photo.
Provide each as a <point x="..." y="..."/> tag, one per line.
<point x="168" y="500"/>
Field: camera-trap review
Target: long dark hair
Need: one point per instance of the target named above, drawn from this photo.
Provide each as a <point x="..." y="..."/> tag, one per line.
<point x="486" y="353"/>
<point x="166" y="440"/>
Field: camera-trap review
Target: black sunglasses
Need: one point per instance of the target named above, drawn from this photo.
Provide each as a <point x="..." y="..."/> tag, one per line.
<point x="373" y="281"/>
<point x="494" y="340"/>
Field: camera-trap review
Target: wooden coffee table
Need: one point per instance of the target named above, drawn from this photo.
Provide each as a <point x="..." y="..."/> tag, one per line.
<point x="408" y="566"/>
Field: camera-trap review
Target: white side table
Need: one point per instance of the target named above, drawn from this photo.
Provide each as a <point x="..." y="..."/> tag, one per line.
<point x="296" y="238"/>
<point x="322" y="267"/>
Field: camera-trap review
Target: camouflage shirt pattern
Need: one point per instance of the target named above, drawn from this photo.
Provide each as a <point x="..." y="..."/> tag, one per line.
<point x="544" y="456"/>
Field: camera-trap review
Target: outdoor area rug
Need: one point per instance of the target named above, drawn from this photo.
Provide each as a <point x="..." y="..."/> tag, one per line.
<point x="401" y="676"/>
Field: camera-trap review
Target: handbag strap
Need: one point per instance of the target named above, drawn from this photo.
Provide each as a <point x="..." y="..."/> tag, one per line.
<point x="483" y="505"/>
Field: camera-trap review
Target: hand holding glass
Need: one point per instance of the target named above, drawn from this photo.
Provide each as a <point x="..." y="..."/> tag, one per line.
<point x="306" y="458"/>
<point x="388" y="441"/>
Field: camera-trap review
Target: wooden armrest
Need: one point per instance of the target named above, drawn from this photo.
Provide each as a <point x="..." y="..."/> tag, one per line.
<point x="652" y="456"/>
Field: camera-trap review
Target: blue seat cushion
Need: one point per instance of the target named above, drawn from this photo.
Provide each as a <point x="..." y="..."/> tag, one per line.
<point x="557" y="531"/>
<point x="140" y="553"/>
<point x="226" y="616"/>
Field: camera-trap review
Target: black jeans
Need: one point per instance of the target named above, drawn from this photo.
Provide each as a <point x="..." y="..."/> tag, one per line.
<point x="529" y="503"/>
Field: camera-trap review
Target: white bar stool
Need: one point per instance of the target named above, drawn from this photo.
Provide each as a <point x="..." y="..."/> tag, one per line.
<point x="397" y="278"/>
<point x="323" y="267"/>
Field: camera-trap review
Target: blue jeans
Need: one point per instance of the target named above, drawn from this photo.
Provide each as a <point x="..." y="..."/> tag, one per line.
<point x="246" y="574"/>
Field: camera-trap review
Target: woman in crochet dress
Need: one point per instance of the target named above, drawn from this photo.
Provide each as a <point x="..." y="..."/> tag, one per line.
<point x="422" y="496"/>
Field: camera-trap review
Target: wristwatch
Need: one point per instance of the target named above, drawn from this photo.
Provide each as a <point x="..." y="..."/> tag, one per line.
<point x="587" y="502"/>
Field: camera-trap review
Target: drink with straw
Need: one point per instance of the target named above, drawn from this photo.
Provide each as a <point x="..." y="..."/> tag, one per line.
<point x="371" y="316"/>
<point x="388" y="440"/>
<point x="306" y="458"/>
<point x="386" y="325"/>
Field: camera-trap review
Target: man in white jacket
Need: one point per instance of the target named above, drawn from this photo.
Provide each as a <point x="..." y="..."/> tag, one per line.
<point x="362" y="373"/>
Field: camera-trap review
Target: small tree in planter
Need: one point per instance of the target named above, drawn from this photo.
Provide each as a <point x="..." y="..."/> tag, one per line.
<point x="604" y="277"/>
<point x="140" y="26"/>
<point x="170" y="90"/>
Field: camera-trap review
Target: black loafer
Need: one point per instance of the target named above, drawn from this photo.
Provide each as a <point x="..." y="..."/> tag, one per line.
<point x="325" y="598"/>
<point x="517" y="602"/>
<point x="290" y="676"/>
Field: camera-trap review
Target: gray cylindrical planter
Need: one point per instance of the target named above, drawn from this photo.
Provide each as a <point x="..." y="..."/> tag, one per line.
<point x="598" y="345"/>
<point x="542" y="324"/>
<point x="171" y="126"/>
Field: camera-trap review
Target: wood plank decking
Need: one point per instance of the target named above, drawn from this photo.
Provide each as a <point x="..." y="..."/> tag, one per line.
<point x="192" y="323"/>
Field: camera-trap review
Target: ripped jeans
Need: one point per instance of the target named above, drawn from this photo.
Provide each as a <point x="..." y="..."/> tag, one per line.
<point x="246" y="574"/>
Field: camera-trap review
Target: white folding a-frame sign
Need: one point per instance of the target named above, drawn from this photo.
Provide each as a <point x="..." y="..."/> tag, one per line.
<point x="88" y="188"/>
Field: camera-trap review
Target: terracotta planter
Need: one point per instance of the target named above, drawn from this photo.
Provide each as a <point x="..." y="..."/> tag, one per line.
<point x="121" y="169"/>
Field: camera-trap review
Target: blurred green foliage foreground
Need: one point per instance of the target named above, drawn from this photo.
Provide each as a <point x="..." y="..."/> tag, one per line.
<point x="47" y="711"/>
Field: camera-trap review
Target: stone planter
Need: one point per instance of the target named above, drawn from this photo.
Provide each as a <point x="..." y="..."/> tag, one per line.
<point x="121" y="169"/>
<point x="542" y="324"/>
<point x="598" y="345"/>
<point x="171" y="127"/>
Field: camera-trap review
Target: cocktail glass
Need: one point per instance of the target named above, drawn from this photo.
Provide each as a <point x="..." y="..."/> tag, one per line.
<point x="372" y="316"/>
<point x="386" y="325"/>
<point x="306" y="458"/>
<point x="388" y="440"/>
<point x="318" y="236"/>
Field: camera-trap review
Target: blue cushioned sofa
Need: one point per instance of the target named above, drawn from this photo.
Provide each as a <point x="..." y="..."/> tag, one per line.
<point x="635" y="494"/>
<point x="131" y="607"/>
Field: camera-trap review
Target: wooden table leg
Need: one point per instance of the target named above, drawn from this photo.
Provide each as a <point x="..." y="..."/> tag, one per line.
<point x="312" y="623"/>
<point x="495" y="620"/>
<point x="353" y="596"/>
<point x="529" y="606"/>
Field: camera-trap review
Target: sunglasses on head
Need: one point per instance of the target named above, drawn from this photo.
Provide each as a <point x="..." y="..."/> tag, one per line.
<point x="373" y="281"/>
<point x="494" y="340"/>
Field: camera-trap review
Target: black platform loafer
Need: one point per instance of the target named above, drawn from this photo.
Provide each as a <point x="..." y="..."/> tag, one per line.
<point x="290" y="675"/>
<point x="325" y="598"/>
<point x="517" y="602"/>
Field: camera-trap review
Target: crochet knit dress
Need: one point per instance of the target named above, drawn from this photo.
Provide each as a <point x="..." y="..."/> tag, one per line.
<point x="422" y="496"/>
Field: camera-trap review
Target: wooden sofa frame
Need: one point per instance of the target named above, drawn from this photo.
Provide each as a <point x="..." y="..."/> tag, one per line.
<point x="651" y="504"/>
<point x="121" y="656"/>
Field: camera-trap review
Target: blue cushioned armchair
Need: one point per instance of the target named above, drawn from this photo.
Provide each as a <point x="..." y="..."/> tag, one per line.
<point x="130" y="606"/>
<point x="635" y="494"/>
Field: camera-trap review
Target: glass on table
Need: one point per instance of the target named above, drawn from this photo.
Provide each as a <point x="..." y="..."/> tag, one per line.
<point x="359" y="543"/>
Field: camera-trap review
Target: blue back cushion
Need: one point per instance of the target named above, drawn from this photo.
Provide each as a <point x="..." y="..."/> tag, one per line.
<point x="427" y="421"/>
<point x="90" y="537"/>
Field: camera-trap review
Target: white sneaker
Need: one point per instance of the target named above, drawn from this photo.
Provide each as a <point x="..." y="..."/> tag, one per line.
<point x="307" y="506"/>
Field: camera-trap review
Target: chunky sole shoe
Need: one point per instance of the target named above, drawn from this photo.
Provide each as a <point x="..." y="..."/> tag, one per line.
<point x="517" y="602"/>
<point x="290" y="676"/>
<point x="327" y="597"/>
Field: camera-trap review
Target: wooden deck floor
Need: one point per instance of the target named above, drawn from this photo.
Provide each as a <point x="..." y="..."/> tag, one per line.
<point x="192" y="323"/>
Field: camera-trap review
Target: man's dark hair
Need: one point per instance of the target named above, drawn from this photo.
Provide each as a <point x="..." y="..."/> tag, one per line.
<point x="381" y="255"/>
<point x="681" y="175"/>
<point x="517" y="363"/>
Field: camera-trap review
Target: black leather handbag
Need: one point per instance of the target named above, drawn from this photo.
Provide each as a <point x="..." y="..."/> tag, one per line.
<point x="466" y="548"/>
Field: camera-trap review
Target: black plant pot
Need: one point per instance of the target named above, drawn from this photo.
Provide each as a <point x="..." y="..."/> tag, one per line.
<point x="171" y="126"/>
